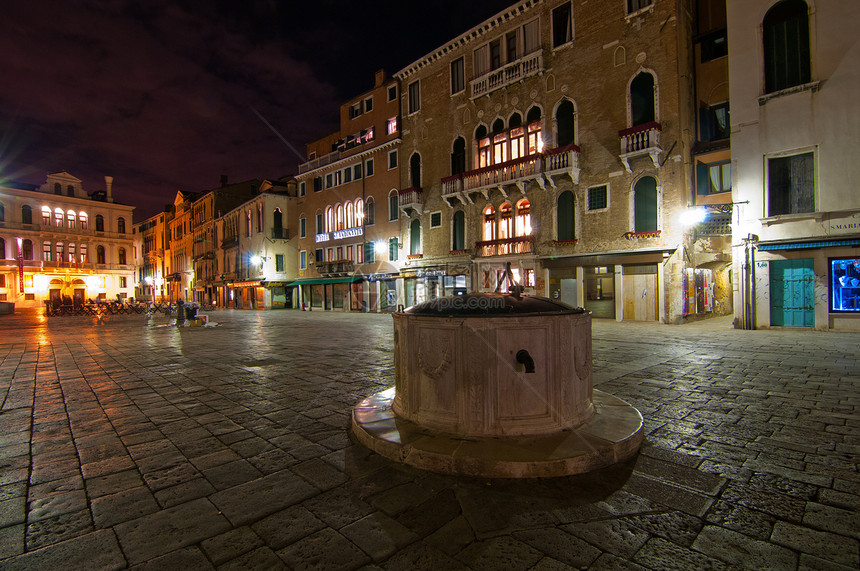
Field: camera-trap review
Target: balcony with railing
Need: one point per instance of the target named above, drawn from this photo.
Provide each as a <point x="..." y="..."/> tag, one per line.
<point x="539" y="167"/>
<point x="516" y="245"/>
<point x="562" y="161"/>
<point x="517" y="171"/>
<point x="641" y="140"/>
<point x="335" y="267"/>
<point x="411" y="199"/>
<point x="527" y="65"/>
<point x="318" y="162"/>
<point x="280" y="234"/>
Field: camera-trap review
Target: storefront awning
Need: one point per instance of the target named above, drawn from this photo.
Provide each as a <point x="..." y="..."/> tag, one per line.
<point x="314" y="281"/>
<point x="767" y="247"/>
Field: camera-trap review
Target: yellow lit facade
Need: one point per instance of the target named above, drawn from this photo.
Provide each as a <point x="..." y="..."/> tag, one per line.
<point x="57" y="241"/>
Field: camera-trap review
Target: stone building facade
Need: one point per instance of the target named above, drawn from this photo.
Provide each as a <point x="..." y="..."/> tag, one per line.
<point x="556" y="137"/>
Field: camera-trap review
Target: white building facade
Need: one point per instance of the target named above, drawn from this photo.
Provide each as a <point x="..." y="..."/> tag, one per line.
<point x="58" y="241"/>
<point x="794" y="69"/>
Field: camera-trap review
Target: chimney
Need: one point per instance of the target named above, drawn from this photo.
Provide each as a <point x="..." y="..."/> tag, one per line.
<point x="223" y="180"/>
<point x="108" y="185"/>
<point x="380" y="78"/>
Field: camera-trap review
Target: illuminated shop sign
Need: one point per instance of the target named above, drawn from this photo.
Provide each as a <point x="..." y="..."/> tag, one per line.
<point x="348" y="233"/>
<point x="339" y="234"/>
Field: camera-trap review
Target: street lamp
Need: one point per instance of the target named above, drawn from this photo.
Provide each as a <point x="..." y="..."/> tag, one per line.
<point x="689" y="217"/>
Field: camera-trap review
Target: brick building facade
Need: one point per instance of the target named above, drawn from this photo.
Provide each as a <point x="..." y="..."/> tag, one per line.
<point x="557" y="138"/>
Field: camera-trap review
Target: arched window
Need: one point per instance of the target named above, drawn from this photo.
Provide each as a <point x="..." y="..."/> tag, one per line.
<point x="100" y="254"/>
<point x="277" y="222"/>
<point x="489" y="232"/>
<point x="27" y="249"/>
<point x="482" y="140"/>
<point x="248" y="224"/>
<point x="564" y="120"/>
<point x="350" y="215"/>
<point x="458" y="231"/>
<point x="415" y="170"/>
<point x="517" y="136"/>
<point x="46" y="216"/>
<point x="642" y="99"/>
<point x="58" y="188"/>
<point x="121" y="256"/>
<point x="71" y="218"/>
<point x="59" y="216"/>
<point x="26" y="214"/>
<point x="260" y="220"/>
<point x="82" y="220"/>
<point x="338" y="217"/>
<point x="359" y="212"/>
<point x="82" y="253"/>
<point x="46" y="251"/>
<point x="500" y="142"/>
<point x="786" y="45"/>
<point x="458" y="156"/>
<point x="645" y="205"/>
<point x="393" y="205"/>
<point x="70" y="253"/>
<point x="370" y="211"/>
<point x="534" y="142"/>
<point x="120" y="225"/>
<point x="59" y="251"/>
<point x="566" y="216"/>
<point x="415" y="237"/>
<point x="523" y="224"/>
<point x="100" y="223"/>
<point x="329" y="219"/>
<point x="70" y="190"/>
<point x="506" y="229"/>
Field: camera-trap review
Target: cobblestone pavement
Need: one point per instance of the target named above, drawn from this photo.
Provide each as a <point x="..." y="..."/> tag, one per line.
<point x="130" y="443"/>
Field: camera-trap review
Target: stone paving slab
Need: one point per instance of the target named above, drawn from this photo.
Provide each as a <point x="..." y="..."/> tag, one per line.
<point x="128" y="443"/>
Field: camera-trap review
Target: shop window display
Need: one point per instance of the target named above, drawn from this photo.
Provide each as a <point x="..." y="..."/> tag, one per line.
<point x="845" y="285"/>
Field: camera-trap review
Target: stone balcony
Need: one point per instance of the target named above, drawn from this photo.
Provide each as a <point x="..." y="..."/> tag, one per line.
<point x="502" y="246"/>
<point x="527" y="65"/>
<point x="411" y="199"/>
<point x="641" y="140"/>
<point x="540" y="168"/>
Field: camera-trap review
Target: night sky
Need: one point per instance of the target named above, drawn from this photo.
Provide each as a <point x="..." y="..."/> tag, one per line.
<point x="168" y="95"/>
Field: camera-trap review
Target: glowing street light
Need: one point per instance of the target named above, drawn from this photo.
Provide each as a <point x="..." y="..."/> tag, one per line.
<point x="691" y="216"/>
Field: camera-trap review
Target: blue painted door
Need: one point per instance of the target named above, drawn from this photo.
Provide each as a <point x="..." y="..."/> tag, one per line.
<point x="792" y="289"/>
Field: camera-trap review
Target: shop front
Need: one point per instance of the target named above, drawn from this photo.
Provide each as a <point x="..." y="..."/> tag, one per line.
<point x="612" y="286"/>
<point x="814" y="284"/>
<point x="329" y="294"/>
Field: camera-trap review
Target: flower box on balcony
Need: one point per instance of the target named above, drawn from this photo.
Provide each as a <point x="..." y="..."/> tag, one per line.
<point x="565" y="242"/>
<point x="414" y="256"/>
<point x="649" y="234"/>
<point x="455" y="252"/>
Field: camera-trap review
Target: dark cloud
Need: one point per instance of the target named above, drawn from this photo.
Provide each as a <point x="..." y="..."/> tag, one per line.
<point x="170" y="95"/>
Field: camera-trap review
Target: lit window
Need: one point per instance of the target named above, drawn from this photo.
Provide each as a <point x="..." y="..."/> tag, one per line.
<point x="489" y="223"/>
<point x="391" y="126"/>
